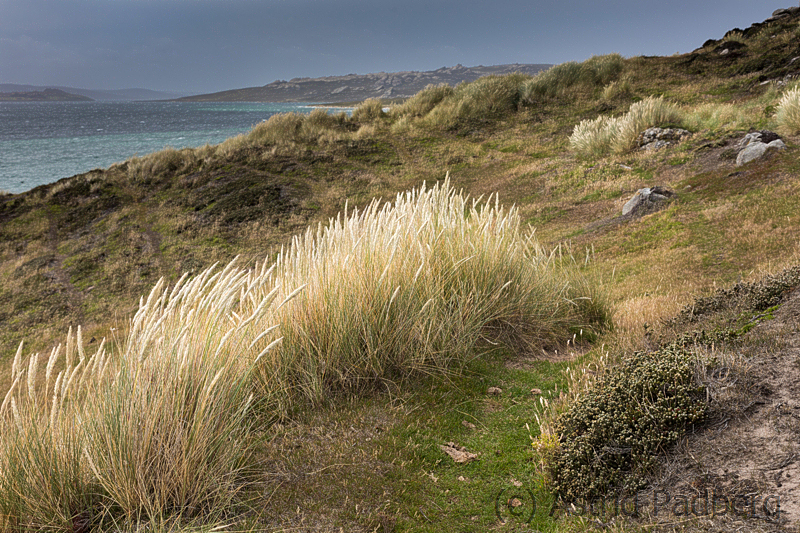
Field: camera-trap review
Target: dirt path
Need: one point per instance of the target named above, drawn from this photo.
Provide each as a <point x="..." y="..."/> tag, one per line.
<point x="749" y="459"/>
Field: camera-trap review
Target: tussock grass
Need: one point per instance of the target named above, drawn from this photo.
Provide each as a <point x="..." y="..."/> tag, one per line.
<point x="168" y="160"/>
<point x="718" y="117"/>
<point x="597" y="71"/>
<point x="158" y="426"/>
<point x="788" y="112"/>
<point x="413" y="287"/>
<point x="294" y="128"/>
<point x="44" y="478"/>
<point x="288" y="131"/>
<point x="158" y="430"/>
<point x="617" y="89"/>
<point x="369" y="111"/>
<point x="487" y="97"/>
<point x="423" y="102"/>
<point x="618" y="134"/>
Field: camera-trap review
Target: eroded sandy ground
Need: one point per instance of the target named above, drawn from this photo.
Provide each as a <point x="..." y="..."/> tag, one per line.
<point x="742" y="471"/>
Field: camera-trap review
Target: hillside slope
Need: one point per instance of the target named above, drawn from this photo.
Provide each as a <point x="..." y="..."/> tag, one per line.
<point x="83" y="250"/>
<point x="359" y="87"/>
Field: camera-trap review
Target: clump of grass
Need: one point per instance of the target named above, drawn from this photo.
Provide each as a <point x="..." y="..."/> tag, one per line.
<point x="617" y="89"/>
<point x="486" y="97"/>
<point x="423" y="102"/>
<point x="787" y="115"/>
<point x="618" y="134"/>
<point x="177" y="406"/>
<point x="596" y="71"/>
<point x="45" y="482"/>
<point x="168" y="160"/>
<point x="734" y="36"/>
<point x="595" y="137"/>
<point x="160" y="430"/>
<point x="718" y="117"/>
<point x="369" y="111"/>
<point x="289" y="130"/>
<point x="413" y="287"/>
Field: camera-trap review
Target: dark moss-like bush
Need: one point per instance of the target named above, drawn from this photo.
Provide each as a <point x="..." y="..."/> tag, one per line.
<point x="755" y="296"/>
<point x="611" y="435"/>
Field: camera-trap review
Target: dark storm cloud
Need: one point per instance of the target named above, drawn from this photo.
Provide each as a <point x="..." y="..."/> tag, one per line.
<point x="206" y="45"/>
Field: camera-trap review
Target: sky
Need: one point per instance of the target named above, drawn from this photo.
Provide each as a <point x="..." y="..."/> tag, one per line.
<point x="199" y="46"/>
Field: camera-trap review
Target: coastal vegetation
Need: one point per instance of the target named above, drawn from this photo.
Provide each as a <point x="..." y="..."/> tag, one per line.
<point x="450" y="273"/>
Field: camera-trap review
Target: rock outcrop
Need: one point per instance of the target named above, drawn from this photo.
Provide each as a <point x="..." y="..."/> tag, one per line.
<point x="359" y="87"/>
<point x="657" y="138"/>
<point x="754" y="145"/>
<point x="646" y="201"/>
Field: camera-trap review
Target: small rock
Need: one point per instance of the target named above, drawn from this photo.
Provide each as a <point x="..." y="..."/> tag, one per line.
<point x="646" y="200"/>
<point x="494" y="391"/>
<point x="764" y="136"/>
<point x="756" y="150"/>
<point x="462" y="478"/>
<point x="536" y="392"/>
<point x="516" y="483"/>
<point x="457" y="453"/>
<point x="514" y="502"/>
<point x="468" y="425"/>
<point x="725" y="52"/>
<point x="657" y="138"/>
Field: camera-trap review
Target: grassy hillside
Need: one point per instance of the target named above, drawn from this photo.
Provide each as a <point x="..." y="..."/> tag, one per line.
<point x="368" y="456"/>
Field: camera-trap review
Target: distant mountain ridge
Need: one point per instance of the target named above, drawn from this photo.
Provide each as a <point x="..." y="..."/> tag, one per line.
<point x="47" y="95"/>
<point x="359" y="87"/>
<point x="96" y="94"/>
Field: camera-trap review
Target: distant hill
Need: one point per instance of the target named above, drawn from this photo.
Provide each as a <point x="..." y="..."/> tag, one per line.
<point x="359" y="87"/>
<point x="46" y="95"/>
<point x="97" y="94"/>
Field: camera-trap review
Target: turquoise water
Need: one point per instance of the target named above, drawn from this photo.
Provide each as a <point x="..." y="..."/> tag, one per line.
<point x="42" y="142"/>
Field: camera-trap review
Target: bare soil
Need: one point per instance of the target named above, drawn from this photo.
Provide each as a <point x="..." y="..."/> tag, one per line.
<point x="742" y="471"/>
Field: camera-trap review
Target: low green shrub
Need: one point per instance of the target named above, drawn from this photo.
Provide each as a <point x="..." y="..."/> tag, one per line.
<point x="610" y="437"/>
<point x="754" y="296"/>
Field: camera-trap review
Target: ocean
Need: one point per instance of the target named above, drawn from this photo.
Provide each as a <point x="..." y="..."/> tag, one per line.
<point x="42" y="142"/>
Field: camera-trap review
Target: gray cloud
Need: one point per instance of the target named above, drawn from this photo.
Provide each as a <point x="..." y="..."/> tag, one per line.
<point x="207" y="45"/>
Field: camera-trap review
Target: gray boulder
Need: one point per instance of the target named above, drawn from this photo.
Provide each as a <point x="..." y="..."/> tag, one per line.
<point x="754" y="145"/>
<point x="646" y="200"/>
<point x="764" y="136"/>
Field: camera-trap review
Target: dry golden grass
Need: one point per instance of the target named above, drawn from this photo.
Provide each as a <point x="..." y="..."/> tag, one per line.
<point x="159" y="429"/>
<point x="423" y="102"/>
<point x="788" y="113"/>
<point x="369" y="111"/>
<point x="619" y="134"/>
<point x="597" y="71"/>
<point x="410" y="287"/>
<point x="168" y="160"/>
